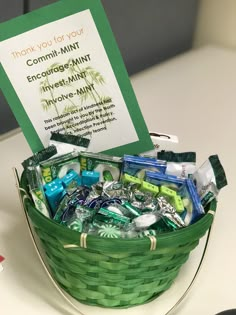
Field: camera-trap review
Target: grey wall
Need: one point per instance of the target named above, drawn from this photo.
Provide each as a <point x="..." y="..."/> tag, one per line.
<point x="150" y="31"/>
<point x="147" y="32"/>
<point x="8" y="9"/>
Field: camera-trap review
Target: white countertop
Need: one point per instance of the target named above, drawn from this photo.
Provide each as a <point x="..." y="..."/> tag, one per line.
<point x="192" y="96"/>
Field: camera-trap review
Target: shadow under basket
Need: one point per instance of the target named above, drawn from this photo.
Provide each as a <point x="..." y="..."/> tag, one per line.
<point x="115" y="273"/>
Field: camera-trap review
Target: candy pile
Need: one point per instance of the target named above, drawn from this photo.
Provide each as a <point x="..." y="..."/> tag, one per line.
<point x="129" y="196"/>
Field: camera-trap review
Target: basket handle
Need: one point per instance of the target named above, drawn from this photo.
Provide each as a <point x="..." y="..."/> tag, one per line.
<point x="23" y="196"/>
<point x="195" y="275"/>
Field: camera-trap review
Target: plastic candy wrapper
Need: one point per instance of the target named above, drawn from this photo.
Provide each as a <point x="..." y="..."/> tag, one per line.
<point x="61" y="209"/>
<point x="125" y="209"/>
<point x="164" y="218"/>
<point x="114" y="217"/>
<point x="120" y="205"/>
<point x="146" y="220"/>
<point x="169" y="214"/>
<point x="108" y="166"/>
<point x="150" y="188"/>
<point x="143" y="201"/>
<point x="105" y="229"/>
<point x="80" y="217"/>
<point x="54" y="191"/>
<point x="115" y="189"/>
<point x="172" y="197"/>
<point x="69" y="203"/>
<point x="40" y="156"/>
<point x="59" y="166"/>
<point x="159" y="179"/>
<point x="71" y="180"/>
<point x="179" y="164"/>
<point x="137" y="165"/>
<point x="36" y="190"/>
<point x="192" y="202"/>
<point x="66" y="143"/>
<point x="210" y="178"/>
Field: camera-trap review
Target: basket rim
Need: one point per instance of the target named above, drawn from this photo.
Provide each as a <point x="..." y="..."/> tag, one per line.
<point x="185" y="235"/>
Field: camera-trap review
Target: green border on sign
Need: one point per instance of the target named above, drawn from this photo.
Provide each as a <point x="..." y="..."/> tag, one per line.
<point x="55" y="12"/>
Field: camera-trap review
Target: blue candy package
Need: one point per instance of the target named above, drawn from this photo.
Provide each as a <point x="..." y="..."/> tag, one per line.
<point x="137" y="165"/>
<point x="192" y="202"/>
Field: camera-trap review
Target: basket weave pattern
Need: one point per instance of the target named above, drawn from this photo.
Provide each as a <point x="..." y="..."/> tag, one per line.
<point x="115" y="272"/>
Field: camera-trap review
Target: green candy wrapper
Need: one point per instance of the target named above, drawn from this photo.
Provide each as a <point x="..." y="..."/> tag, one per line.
<point x="209" y="178"/>
<point x="37" y="191"/>
<point x="40" y="156"/>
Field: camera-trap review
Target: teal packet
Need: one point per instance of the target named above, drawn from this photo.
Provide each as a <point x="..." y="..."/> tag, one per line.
<point x="59" y="166"/>
<point x="109" y="167"/>
<point x="181" y="164"/>
<point x="36" y="190"/>
<point x="210" y="178"/>
<point x="137" y="166"/>
<point x="40" y="156"/>
<point x="159" y="179"/>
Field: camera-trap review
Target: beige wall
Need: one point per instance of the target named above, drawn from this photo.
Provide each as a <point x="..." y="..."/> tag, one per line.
<point x="216" y="23"/>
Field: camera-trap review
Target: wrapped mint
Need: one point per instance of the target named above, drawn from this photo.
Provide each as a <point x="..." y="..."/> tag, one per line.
<point x="210" y="178"/>
<point x="181" y="164"/>
<point x="113" y="189"/>
<point x="108" y="230"/>
<point x="169" y="214"/>
<point x="80" y="217"/>
<point x="114" y="217"/>
<point x="146" y="220"/>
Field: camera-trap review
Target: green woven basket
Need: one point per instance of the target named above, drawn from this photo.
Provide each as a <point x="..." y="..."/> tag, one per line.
<point x="114" y="272"/>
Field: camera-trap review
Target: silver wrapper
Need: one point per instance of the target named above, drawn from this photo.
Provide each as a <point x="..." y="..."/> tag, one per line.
<point x="150" y="204"/>
<point x="92" y="195"/>
<point x="137" y="204"/>
<point x="168" y="211"/>
<point x="115" y="189"/>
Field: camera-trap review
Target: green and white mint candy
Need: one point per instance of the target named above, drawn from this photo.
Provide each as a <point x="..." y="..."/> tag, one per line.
<point x="109" y="230"/>
<point x="76" y="225"/>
